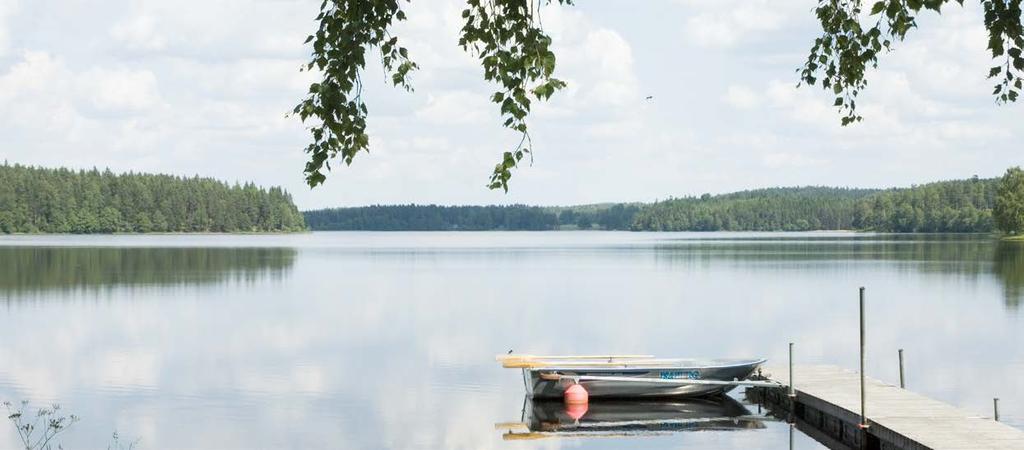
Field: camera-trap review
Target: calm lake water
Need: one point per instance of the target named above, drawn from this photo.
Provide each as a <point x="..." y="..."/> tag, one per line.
<point x="387" y="340"/>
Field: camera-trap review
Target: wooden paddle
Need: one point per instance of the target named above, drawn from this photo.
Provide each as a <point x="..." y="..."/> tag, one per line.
<point x="676" y="381"/>
<point x="522" y="356"/>
<point x="518" y="361"/>
<point x="629" y="363"/>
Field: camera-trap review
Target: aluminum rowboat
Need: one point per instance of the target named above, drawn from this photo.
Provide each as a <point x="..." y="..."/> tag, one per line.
<point x="634" y="377"/>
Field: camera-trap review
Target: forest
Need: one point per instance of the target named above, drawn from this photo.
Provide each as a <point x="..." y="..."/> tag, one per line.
<point x="774" y="209"/>
<point x="962" y="206"/>
<point x="473" y="218"/>
<point x="433" y="218"/>
<point x="40" y="200"/>
<point x="947" y="206"/>
<point x="958" y="206"/>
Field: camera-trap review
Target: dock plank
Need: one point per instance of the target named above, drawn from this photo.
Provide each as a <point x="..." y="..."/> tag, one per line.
<point x="898" y="415"/>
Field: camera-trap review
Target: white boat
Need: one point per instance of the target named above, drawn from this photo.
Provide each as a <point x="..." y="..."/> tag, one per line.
<point x="631" y="376"/>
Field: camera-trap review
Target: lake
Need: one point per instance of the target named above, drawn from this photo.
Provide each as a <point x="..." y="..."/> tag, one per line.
<point x="387" y="340"/>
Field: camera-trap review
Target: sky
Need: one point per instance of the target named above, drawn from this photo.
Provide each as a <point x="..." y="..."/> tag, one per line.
<point x="203" y="86"/>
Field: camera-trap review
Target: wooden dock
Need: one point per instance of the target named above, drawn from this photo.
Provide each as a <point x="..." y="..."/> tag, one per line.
<point x="827" y="407"/>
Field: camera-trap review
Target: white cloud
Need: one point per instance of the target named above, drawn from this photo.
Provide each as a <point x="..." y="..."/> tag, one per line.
<point x="120" y="90"/>
<point x="138" y="33"/>
<point x="49" y="83"/>
<point x="742" y="97"/>
<point x="155" y="86"/>
<point x="456" y="107"/>
<point x="7" y="9"/>
<point x="222" y="30"/>
<point x="802" y="105"/>
<point x="726" y="23"/>
<point x="36" y="93"/>
<point x="597" y="62"/>
<point x="778" y="160"/>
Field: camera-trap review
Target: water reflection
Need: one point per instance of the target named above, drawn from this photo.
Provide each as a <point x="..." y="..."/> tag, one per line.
<point x="959" y="255"/>
<point x="1009" y="267"/>
<point x="624" y="418"/>
<point x="32" y="269"/>
<point x="387" y="340"/>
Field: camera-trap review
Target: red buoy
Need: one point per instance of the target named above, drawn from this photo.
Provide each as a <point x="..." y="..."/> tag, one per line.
<point x="576" y="395"/>
<point x="576" y="411"/>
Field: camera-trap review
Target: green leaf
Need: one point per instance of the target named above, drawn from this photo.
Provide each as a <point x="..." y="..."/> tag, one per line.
<point x="877" y="8"/>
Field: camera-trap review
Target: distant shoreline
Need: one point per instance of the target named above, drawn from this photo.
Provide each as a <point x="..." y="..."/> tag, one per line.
<point x="599" y="230"/>
<point x="956" y="206"/>
<point x="165" y="233"/>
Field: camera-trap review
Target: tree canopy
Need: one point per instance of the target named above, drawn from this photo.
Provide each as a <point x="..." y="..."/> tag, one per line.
<point x="847" y="48"/>
<point x="433" y="218"/>
<point x="957" y="206"/>
<point x="514" y="51"/>
<point x="774" y="209"/>
<point x="1009" y="207"/>
<point x="506" y="36"/>
<point x="34" y="200"/>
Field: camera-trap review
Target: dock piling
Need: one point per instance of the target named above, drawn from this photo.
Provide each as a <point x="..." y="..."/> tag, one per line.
<point x="863" y="398"/>
<point x="792" y="392"/>
<point x="903" y="383"/>
<point x="995" y="408"/>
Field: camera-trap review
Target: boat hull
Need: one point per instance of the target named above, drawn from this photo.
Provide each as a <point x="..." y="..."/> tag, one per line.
<point x="719" y="370"/>
<point x="641" y="416"/>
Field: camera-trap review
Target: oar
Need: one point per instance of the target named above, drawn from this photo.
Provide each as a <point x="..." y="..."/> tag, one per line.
<point x="522" y="426"/>
<point x="656" y="422"/>
<point x="534" y="357"/>
<point x="586" y="434"/>
<point x="542" y="363"/>
<point x="682" y="382"/>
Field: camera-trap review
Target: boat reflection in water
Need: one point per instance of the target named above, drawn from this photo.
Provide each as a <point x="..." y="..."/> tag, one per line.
<point x="629" y="418"/>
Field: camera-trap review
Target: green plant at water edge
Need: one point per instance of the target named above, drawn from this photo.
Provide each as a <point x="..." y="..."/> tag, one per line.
<point x="1009" y="207"/>
<point x="36" y="433"/>
<point x="116" y="444"/>
<point x="39" y="433"/>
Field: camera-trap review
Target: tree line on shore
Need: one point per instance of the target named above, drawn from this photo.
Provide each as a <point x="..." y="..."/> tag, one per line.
<point x="432" y="218"/>
<point x="774" y="209"/>
<point x="957" y="206"/>
<point x="962" y="206"/>
<point x="40" y="200"/>
<point x="472" y="218"/>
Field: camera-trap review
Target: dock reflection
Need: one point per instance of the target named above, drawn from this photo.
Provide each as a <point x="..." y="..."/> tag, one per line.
<point x="629" y="418"/>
